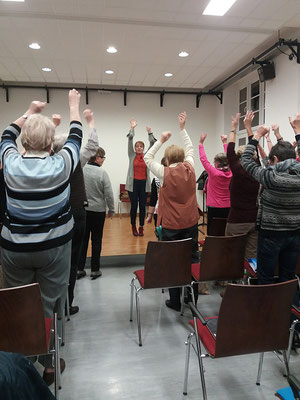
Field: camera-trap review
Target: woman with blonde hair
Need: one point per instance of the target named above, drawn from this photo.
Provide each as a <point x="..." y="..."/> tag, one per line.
<point x="178" y="208"/>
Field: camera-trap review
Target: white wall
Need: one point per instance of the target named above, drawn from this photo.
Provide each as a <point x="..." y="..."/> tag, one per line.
<point x="112" y="121"/>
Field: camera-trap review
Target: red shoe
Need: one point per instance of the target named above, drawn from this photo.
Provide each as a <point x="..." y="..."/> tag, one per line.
<point x="141" y="231"/>
<point x="134" y="230"/>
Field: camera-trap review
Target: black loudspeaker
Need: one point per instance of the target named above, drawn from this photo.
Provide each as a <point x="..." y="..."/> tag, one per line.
<point x="266" y="72"/>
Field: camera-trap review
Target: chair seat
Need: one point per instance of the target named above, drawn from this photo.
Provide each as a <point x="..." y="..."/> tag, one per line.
<point x="140" y="274"/>
<point x="205" y="333"/>
<point x="196" y="271"/>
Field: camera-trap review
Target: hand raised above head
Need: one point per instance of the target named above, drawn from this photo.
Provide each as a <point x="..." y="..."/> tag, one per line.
<point x="74" y="98"/>
<point x="235" y="121"/>
<point x="203" y="137"/>
<point x="224" y="139"/>
<point x="182" y="120"/>
<point x="295" y="123"/>
<point x="262" y="131"/>
<point x="56" y="119"/>
<point x="165" y="136"/>
<point x="88" y="114"/>
<point x="148" y="129"/>
<point x="36" y="107"/>
<point x="133" y="123"/>
<point x="248" y="119"/>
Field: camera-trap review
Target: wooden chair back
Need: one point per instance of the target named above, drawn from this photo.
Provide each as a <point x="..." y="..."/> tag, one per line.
<point x="254" y="319"/>
<point x="22" y="321"/>
<point x="218" y="226"/>
<point x="222" y="258"/>
<point x="168" y="264"/>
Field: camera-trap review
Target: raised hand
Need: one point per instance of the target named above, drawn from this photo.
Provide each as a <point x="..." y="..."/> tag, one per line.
<point x="182" y="120"/>
<point x="224" y="139"/>
<point x="36" y="107"/>
<point x="165" y="136"/>
<point x="56" y="119"/>
<point x="148" y="129"/>
<point x="74" y="98"/>
<point x="88" y="115"/>
<point x="202" y="137"/>
<point x="248" y="119"/>
<point x="133" y="124"/>
<point x="235" y="121"/>
<point x="262" y="131"/>
<point x="295" y="123"/>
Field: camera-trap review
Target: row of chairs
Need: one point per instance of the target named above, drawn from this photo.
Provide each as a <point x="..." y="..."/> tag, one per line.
<point x="243" y="325"/>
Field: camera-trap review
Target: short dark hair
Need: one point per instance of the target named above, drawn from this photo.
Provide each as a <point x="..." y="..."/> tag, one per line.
<point x="282" y="150"/>
<point x="221" y="160"/>
<point x="100" y="153"/>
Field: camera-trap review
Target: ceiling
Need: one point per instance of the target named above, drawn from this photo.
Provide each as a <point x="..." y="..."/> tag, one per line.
<point x="149" y="34"/>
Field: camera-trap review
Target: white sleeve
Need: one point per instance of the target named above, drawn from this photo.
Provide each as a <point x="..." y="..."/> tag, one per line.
<point x="155" y="167"/>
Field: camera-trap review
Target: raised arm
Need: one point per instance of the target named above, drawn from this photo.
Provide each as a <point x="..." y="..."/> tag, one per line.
<point x="224" y="141"/>
<point x="234" y="162"/>
<point x="187" y="143"/>
<point x="130" y="136"/>
<point x="74" y="100"/>
<point x="275" y="129"/>
<point x="247" y="123"/>
<point x="155" y="167"/>
<point x="10" y="134"/>
<point x="92" y="145"/>
<point x="269" y="142"/>
<point x="295" y="124"/>
<point x="206" y="164"/>
<point x="151" y="137"/>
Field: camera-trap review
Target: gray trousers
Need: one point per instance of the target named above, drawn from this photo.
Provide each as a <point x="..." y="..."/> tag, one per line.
<point x="242" y="229"/>
<point x="49" y="268"/>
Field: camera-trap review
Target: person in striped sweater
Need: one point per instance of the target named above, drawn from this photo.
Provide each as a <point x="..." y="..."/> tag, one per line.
<point x="38" y="223"/>
<point x="278" y="218"/>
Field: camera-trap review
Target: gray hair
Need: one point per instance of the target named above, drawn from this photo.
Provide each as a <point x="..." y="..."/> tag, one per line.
<point x="59" y="141"/>
<point x="37" y="133"/>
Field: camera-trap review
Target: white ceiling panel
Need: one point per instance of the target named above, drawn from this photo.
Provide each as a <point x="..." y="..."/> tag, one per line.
<point x="148" y="34"/>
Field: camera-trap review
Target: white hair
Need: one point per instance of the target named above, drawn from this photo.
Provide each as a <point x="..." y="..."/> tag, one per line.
<point x="59" y="141"/>
<point x="37" y="133"/>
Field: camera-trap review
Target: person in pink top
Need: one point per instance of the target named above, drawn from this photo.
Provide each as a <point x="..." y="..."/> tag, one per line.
<point x="219" y="177"/>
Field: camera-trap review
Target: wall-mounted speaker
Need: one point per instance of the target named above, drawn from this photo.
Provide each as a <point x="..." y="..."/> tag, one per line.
<point x="266" y="72"/>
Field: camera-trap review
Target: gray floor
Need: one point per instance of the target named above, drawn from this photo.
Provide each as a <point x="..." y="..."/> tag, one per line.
<point x="105" y="362"/>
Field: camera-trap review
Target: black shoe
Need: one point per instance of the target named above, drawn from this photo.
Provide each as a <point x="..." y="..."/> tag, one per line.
<point x="73" y="310"/>
<point x="173" y="306"/>
<point x="95" y="274"/>
<point x="80" y="274"/>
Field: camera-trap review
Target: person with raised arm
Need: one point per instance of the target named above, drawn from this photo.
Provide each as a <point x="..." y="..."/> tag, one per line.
<point x="138" y="182"/>
<point x="177" y="208"/>
<point x="78" y="199"/>
<point x="278" y="218"/>
<point x="37" y="230"/>
<point x="219" y="177"/>
<point x="243" y="191"/>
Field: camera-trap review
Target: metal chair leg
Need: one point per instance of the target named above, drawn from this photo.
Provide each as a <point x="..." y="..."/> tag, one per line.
<point x="57" y="383"/>
<point x="286" y="363"/>
<point x="182" y="300"/>
<point x="68" y="306"/>
<point x="132" y="285"/>
<point x="292" y="330"/>
<point x="201" y="369"/>
<point x="261" y="359"/>
<point x="187" y="362"/>
<point x="138" y="316"/>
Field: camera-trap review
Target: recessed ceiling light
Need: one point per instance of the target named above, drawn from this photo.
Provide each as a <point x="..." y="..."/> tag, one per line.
<point x="46" y="69"/>
<point x="183" y="54"/>
<point x="218" y="7"/>
<point x="168" y="74"/>
<point x="109" y="72"/>
<point x="111" y="49"/>
<point x="35" y="46"/>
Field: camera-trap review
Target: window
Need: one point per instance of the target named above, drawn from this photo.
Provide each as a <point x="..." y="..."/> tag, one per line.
<point x="252" y="97"/>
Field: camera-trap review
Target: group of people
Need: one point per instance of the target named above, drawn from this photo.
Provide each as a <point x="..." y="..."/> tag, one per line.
<point x="57" y="194"/>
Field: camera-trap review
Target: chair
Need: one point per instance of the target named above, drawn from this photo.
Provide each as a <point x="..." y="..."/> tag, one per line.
<point x="24" y="328"/>
<point x="252" y="319"/>
<point x="217" y="228"/>
<point x="222" y="259"/>
<point x="123" y="198"/>
<point x="167" y="264"/>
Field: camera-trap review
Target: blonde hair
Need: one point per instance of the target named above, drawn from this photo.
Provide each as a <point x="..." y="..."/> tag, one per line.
<point x="174" y="154"/>
<point x="240" y="150"/>
<point x="37" y="133"/>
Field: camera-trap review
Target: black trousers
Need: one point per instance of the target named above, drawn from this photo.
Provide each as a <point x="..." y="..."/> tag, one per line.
<point x="79" y="216"/>
<point x="138" y="197"/>
<point x="217" y="213"/>
<point x="177" y="234"/>
<point x="94" y="227"/>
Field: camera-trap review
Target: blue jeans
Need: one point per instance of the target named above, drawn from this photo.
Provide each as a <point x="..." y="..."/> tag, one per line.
<point x="282" y="250"/>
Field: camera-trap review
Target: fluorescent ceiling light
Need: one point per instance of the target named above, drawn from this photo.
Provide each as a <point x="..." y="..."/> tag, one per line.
<point x="218" y="7"/>
<point x="109" y="72"/>
<point x="46" y="69"/>
<point x="183" y="54"/>
<point x="168" y="74"/>
<point x="35" y="46"/>
<point x="111" y="49"/>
